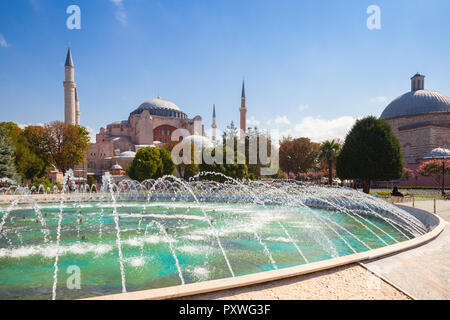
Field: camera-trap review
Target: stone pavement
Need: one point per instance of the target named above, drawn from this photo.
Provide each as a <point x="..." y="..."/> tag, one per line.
<point x="422" y="272"/>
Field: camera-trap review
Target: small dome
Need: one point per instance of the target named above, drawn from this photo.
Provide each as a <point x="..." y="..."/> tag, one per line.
<point x="116" y="167"/>
<point x="417" y="102"/>
<point x="127" y="154"/>
<point x="438" y="153"/>
<point x="160" y="107"/>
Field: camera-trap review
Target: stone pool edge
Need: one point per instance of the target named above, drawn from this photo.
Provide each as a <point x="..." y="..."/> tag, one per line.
<point x="435" y="222"/>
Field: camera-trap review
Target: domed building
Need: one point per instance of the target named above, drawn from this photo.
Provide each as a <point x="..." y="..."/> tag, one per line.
<point x="151" y="124"/>
<point x="421" y="121"/>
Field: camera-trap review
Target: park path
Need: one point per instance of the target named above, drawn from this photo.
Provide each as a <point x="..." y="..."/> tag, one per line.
<point x="422" y="272"/>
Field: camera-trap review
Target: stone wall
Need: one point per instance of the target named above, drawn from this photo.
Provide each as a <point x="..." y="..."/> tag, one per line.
<point x="419" y="134"/>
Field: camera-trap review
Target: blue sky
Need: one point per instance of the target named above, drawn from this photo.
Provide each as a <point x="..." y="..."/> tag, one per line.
<point x="311" y="67"/>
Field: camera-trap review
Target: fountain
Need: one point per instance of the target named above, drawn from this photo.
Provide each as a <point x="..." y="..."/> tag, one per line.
<point x="131" y="236"/>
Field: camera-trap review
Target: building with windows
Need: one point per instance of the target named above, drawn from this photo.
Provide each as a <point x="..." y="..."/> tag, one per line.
<point x="420" y="119"/>
<point x="151" y="124"/>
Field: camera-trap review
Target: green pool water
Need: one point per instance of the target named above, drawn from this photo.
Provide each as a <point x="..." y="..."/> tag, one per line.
<point x="255" y="238"/>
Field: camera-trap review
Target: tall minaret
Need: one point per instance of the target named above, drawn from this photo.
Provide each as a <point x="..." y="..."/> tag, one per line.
<point x="77" y="108"/>
<point x="69" y="91"/>
<point x="243" y="111"/>
<point x="214" y="125"/>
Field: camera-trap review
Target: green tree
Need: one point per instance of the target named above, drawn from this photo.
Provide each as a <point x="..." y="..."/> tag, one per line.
<point x="7" y="166"/>
<point x="91" y="181"/>
<point x="371" y="152"/>
<point x="41" y="181"/>
<point x="328" y="151"/>
<point x="168" y="167"/>
<point x="150" y="163"/>
<point x="254" y="137"/>
<point x="185" y="170"/>
<point x="236" y="170"/>
<point x="29" y="165"/>
<point x="65" y="144"/>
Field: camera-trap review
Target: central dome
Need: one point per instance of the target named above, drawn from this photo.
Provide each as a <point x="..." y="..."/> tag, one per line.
<point x="160" y="107"/>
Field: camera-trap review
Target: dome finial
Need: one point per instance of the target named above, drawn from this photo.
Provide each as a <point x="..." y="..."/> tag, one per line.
<point x="159" y="95"/>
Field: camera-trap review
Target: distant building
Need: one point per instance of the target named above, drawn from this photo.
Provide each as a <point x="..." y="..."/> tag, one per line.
<point x="421" y="121"/>
<point x="151" y="124"/>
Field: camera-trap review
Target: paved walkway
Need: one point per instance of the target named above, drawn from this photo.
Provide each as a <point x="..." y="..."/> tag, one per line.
<point x="422" y="272"/>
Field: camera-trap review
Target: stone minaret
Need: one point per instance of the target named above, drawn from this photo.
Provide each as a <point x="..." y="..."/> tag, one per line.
<point x="77" y="109"/>
<point x="417" y="82"/>
<point x="243" y="111"/>
<point x="214" y="125"/>
<point x="70" y="114"/>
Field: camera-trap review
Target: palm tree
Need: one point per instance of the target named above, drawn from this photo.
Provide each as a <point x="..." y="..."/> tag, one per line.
<point x="328" y="151"/>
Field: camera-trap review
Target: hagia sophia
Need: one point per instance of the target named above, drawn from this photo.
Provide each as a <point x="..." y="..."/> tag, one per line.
<point x="419" y="118"/>
<point x="151" y="124"/>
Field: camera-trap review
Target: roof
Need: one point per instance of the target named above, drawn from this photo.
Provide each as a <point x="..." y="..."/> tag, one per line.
<point x="160" y="107"/>
<point x="69" y="61"/>
<point x="126" y="154"/>
<point x="438" y="153"/>
<point x="417" y="102"/>
<point x="117" y="167"/>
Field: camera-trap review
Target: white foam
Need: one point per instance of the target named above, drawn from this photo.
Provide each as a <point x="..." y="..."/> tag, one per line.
<point x="49" y="251"/>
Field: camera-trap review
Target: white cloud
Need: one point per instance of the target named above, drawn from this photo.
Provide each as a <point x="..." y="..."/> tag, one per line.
<point x="316" y="129"/>
<point x="279" y="120"/>
<point x="253" y="122"/>
<point x="23" y="126"/>
<point x="92" y="134"/>
<point x="3" y="42"/>
<point x="121" y="14"/>
<point x="282" y="120"/>
<point x="302" y="107"/>
<point x="319" y="130"/>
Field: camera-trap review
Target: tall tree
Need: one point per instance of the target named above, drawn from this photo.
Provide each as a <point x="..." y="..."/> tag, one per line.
<point x="328" y="151"/>
<point x="168" y="166"/>
<point x="437" y="169"/>
<point x="298" y="155"/>
<point x="66" y="144"/>
<point x="29" y="165"/>
<point x="371" y="152"/>
<point x="185" y="170"/>
<point x="7" y="165"/>
<point x="150" y="163"/>
<point x="236" y="170"/>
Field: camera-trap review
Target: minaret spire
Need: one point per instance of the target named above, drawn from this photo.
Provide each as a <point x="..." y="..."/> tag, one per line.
<point x="243" y="112"/>
<point x="69" y="60"/>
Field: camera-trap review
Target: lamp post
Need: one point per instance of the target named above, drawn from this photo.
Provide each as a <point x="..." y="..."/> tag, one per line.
<point x="440" y="154"/>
